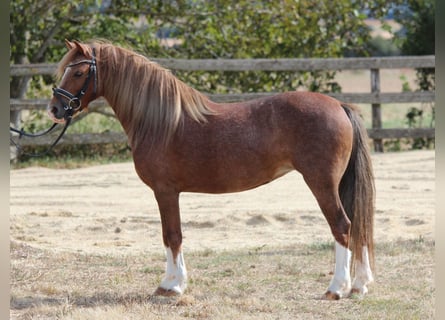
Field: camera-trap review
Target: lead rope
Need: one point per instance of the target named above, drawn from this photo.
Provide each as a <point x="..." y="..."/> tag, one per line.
<point x="23" y="133"/>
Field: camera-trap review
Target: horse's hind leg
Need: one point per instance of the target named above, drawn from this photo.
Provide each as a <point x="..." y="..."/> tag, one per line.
<point x="325" y="190"/>
<point x="175" y="279"/>
<point x="363" y="274"/>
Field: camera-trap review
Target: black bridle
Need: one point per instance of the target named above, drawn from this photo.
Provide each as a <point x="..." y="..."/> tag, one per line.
<point x="74" y="101"/>
<point x="74" y="104"/>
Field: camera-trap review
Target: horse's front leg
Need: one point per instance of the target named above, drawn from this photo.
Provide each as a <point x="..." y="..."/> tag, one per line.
<point x="175" y="279"/>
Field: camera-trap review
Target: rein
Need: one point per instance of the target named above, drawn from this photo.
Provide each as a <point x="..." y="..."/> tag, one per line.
<point x="39" y="134"/>
<point x="74" y="104"/>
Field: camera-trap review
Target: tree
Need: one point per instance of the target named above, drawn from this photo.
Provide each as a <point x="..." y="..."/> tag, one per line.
<point x="418" y="38"/>
<point x="208" y="29"/>
<point x="283" y="29"/>
<point x="418" y="20"/>
<point x="38" y="30"/>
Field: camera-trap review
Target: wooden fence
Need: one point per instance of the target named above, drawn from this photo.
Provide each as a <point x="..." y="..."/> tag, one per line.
<point x="375" y="97"/>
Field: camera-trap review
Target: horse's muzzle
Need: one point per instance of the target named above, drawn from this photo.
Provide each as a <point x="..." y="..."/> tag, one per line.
<point x="56" y="113"/>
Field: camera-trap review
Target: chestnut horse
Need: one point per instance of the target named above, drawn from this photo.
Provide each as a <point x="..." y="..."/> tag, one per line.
<point x="183" y="142"/>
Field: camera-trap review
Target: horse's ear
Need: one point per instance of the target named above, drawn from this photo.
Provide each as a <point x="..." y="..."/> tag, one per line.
<point x="81" y="47"/>
<point x="69" y="44"/>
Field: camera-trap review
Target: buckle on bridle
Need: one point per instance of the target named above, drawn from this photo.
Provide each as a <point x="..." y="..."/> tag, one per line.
<point x="77" y="104"/>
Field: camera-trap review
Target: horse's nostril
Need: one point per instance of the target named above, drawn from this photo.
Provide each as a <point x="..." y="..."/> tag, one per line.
<point x="54" y="110"/>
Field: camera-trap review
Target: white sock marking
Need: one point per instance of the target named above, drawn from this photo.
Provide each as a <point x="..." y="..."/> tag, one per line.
<point x="363" y="273"/>
<point x="341" y="282"/>
<point x="175" y="278"/>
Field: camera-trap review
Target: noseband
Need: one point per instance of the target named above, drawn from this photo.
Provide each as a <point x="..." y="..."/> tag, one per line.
<point x="74" y="101"/>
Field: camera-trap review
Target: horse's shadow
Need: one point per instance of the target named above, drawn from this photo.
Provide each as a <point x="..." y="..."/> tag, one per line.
<point x="99" y="299"/>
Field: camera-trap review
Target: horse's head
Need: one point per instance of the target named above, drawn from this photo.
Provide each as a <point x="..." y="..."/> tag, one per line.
<point x="78" y="84"/>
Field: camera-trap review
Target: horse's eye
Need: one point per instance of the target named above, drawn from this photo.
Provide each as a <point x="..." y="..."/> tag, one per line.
<point x="78" y="74"/>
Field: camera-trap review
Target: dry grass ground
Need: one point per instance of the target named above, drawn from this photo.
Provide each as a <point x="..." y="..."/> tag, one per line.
<point x="258" y="283"/>
<point x="86" y="244"/>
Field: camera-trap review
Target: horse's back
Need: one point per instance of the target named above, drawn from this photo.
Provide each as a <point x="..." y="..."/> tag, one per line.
<point x="302" y="120"/>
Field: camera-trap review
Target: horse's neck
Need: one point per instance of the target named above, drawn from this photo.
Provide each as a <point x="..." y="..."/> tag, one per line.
<point x="114" y="94"/>
<point x="151" y="108"/>
<point x="131" y="104"/>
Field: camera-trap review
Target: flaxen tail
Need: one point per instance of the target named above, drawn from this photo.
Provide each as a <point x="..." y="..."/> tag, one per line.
<point x="357" y="190"/>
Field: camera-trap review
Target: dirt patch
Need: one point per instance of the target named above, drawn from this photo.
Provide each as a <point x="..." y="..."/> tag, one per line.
<point x="79" y="210"/>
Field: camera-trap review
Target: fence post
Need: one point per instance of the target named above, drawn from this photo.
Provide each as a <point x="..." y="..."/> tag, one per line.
<point x="376" y="108"/>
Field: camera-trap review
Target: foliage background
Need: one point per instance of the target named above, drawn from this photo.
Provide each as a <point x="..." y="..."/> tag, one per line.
<point x="204" y="29"/>
<point x="219" y="29"/>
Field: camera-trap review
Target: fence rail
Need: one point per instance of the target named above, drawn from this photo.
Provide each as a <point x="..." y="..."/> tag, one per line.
<point x="402" y="97"/>
<point x="314" y="64"/>
<point x="374" y="97"/>
<point x="118" y="137"/>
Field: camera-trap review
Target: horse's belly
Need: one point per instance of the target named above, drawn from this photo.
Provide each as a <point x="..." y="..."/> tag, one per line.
<point x="236" y="179"/>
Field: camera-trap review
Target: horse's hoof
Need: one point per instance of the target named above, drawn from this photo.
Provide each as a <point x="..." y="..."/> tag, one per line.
<point x="165" y="292"/>
<point x="358" y="293"/>
<point x="331" y="296"/>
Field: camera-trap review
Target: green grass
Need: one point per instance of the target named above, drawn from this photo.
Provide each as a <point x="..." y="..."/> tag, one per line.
<point x="266" y="283"/>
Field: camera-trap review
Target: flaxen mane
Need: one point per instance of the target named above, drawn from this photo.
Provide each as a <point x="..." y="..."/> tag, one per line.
<point x="143" y="93"/>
